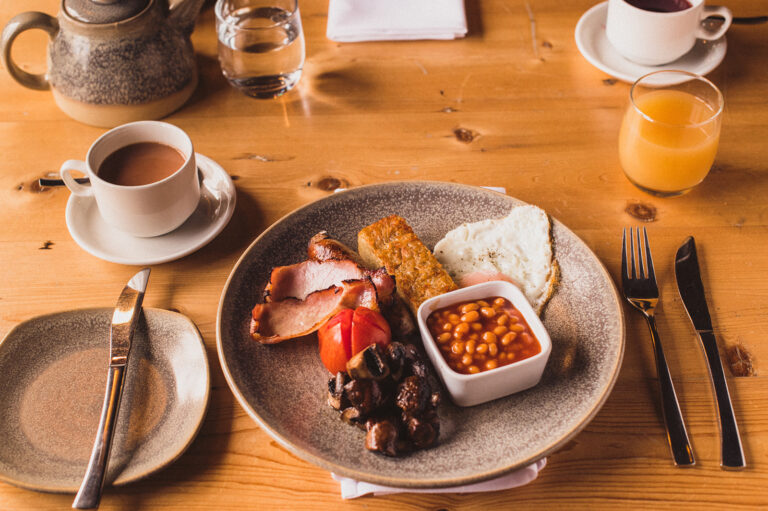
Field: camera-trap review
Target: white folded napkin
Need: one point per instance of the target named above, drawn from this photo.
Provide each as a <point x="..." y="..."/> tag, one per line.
<point x="352" y="21"/>
<point x="351" y="489"/>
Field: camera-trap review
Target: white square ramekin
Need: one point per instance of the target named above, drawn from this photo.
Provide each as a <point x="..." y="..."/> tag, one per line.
<point x="474" y="389"/>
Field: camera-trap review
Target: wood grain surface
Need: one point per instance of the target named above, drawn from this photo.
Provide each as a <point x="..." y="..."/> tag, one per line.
<point x="513" y="105"/>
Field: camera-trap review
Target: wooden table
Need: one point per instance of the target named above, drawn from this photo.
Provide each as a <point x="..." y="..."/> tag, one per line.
<point x="514" y="105"/>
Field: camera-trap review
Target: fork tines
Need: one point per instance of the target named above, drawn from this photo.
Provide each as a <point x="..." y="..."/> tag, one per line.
<point x="644" y="263"/>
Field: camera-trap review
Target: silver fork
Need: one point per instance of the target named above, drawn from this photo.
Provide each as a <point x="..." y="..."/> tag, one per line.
<point x="641" y="291"/>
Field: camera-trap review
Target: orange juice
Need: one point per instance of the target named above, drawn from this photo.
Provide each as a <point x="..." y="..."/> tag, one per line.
<point x="668" y="141"/>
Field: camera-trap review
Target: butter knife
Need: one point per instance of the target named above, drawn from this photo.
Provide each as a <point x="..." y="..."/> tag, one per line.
<point x="124" y="321"/>
<point x="692" y="292"/>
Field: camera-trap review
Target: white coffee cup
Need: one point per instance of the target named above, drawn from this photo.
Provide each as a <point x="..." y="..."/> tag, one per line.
<point x="653" y="38"/>
<point x="144" y="210"/>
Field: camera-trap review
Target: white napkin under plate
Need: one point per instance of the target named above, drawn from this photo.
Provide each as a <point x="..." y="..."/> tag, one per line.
<point x="351" y="489"/>
<point x="499" y="189"/>
<point x="352" y="21"/>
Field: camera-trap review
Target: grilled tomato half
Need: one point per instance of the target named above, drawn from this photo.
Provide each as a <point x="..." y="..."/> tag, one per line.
<point x="348" y="333"/>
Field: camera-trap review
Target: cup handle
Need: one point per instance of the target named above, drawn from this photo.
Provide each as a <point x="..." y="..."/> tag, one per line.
<point x="723" y="12"/>
<point x="17" y="25"/>
<point x="75" y="187"/>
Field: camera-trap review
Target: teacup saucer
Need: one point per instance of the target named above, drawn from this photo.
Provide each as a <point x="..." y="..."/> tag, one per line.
<point x="595" y="47"/>
<point x="217" y="203"/>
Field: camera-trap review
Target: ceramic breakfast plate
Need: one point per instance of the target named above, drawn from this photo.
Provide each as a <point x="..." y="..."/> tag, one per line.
<point x="283" y="387"/>
<point x="95" y="236"/>
<point x="595" y="47"/>
<point x="53" y="372"/>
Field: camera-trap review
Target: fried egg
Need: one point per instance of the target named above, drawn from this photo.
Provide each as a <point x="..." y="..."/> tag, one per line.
<point x="518" y="246"/>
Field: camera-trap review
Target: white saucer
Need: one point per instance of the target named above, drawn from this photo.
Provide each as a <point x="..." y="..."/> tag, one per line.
<point x="595" y="47"/>
<point x="217" y="203"/>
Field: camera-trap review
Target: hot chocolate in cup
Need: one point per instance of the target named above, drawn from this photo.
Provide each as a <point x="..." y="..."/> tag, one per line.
<point x="143" y="176"/>
<point x="656" y="32"/>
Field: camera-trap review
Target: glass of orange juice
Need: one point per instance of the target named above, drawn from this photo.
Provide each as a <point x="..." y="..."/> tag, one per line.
<point x="669" y="135"/>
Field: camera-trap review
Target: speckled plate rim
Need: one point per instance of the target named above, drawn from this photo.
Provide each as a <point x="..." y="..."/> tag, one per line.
<point x="178" y="452"/>
<point x="396" y="482"/>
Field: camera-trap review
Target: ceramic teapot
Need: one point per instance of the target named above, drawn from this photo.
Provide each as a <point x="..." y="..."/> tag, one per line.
<point x="113" y="61"/>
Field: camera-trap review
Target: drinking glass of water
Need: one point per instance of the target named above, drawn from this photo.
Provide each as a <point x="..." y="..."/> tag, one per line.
<point x="261" y="45"/>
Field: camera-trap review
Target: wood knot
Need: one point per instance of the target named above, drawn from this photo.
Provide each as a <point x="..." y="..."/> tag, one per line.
<point x="643" y="212"/>
<point x="328" y="183"/>
<point x="546" y="44"/>
<point x="740" y="361"/>
<point x="609" y="81"/>
<point x="464" y="135"/>
<point x="234" y="177"/>
<point x="264" y="158"/>
<point x="35" y="187"/>
<point x="32" y="186"/>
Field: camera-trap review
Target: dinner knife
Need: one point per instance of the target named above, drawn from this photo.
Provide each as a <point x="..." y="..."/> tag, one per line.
<point x="692" y="292"/>
<point x="124" y="321"/>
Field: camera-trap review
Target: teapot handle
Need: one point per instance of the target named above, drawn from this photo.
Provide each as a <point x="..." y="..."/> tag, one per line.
<point x="17" y="25"/>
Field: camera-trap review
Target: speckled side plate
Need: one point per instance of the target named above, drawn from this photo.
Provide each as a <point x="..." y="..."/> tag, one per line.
<point x="283" y="387"/>
<point x="53" y="373"/>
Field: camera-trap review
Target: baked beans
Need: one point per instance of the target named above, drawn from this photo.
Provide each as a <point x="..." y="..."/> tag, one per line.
<point x="480" y="335"/>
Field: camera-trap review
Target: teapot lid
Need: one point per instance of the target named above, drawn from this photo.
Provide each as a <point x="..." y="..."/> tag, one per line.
<point x="103" y="11"/>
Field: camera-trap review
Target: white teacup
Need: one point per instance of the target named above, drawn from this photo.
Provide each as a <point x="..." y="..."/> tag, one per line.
<point x="653" y="38"/>
<point x="144" y="210"/>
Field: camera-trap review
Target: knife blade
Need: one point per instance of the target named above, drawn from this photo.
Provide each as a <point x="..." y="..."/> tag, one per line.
<point x="124" y="320"/>
<point x="691" y="291"/>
